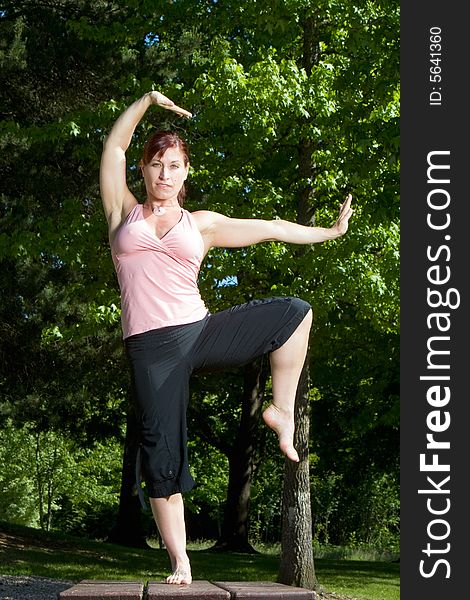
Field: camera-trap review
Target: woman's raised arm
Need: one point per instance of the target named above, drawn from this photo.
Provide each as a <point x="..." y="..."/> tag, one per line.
<point x="116" y="196"/>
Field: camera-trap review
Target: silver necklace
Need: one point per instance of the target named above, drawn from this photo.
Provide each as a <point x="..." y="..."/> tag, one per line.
<point x="158" y="211"/>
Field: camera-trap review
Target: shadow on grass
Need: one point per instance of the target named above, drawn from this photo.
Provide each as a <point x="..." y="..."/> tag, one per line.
<point x="32" y="552"/>
<point x="25" y="551"/>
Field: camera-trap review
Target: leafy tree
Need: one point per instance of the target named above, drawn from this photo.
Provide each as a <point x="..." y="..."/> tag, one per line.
<point x="50" y="481"/>
<point x="17" y="492"/>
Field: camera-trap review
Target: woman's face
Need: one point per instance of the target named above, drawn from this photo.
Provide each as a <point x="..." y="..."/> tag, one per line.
<point x="164" y="176"/>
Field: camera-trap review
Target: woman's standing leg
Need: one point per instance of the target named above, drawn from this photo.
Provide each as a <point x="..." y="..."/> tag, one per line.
<point x="161" y="392"/>
<point x="286" y="366"/>
<point x="169" y="517"/>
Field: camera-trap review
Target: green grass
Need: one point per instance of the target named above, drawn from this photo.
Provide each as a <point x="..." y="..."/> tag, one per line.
<point x="360" y="579"/>
<point x="25" y="551"/>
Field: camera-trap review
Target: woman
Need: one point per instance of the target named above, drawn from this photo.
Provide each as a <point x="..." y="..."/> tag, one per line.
<point x="157" y="248"/>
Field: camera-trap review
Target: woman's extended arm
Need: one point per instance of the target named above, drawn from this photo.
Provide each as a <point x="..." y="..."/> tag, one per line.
<point x="218" y="230"/>
<point x="116" y="196"/>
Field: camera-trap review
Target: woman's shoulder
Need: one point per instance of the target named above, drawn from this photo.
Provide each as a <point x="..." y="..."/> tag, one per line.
<point x="205" y="218"/>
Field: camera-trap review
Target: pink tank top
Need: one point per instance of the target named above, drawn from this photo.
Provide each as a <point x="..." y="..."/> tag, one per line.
<point x="158" y="277"/>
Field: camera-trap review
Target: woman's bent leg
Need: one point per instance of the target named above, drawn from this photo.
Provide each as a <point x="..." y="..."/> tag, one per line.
<point x="169" y="517"/>
<point x="276" y="326"/>
<point x="286" y="366"/>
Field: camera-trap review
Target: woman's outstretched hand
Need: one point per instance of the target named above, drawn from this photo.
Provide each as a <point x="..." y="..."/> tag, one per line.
<point x="345" y="212"/>
<point x="164" y="102"/>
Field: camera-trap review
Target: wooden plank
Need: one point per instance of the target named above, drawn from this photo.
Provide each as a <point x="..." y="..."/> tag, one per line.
<point x="218" y="590"/>
<point x="264" y="590"/>
<point x="197" y="589"/>
<point x="96" y="590"/>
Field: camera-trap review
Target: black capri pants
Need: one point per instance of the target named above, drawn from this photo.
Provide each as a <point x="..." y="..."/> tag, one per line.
<point x="162" y="361"/>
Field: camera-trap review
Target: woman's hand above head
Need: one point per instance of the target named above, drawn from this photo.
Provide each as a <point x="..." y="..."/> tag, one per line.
<point x="164" y="102"/>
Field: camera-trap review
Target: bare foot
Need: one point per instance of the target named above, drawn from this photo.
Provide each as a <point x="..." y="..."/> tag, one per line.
<point x="181" y="574"/>
<point x="282" y="423"/>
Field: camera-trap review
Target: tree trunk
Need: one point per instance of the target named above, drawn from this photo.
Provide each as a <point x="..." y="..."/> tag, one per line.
<point x="242" y="463"/>
<point x="40" y="482"/>
<point x="297" y="567"/>
<point x="128" y="530"/>
<point x="51" y="488"/>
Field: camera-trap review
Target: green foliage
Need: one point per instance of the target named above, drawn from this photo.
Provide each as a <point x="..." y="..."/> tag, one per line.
<point x="18" y="497"/>
<point x="47" y="480"/>
<point x="366" y="513"/>
<point x="266" y="501"/>
<point x="88" y="504"/>
<point x="209" y="468"/>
